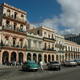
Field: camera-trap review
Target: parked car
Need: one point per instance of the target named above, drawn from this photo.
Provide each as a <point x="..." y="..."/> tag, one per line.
<point x="30" y="66"/>
<point x="54" y="65"/>
<point x="70" y="63"/>
<point x="77" y="61"/>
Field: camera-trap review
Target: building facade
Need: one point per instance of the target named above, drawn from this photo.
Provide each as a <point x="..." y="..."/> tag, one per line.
<point x="19" y="42"/>
<point x="12" y="34"/>
<point x="34" y="47"/>
<point x="75" y="38"/>
<point x="72" y="50"/>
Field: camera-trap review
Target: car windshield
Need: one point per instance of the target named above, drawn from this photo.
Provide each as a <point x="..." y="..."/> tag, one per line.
<point x="54" y="62"/>
<point x="31" y="62"/>
<point x="76" y="60"/>
<point x="69" y="61"/>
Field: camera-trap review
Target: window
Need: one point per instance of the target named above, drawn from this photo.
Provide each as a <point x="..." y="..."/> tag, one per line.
<point x="6" y="37"/>
<point x="21" y="27"/>
<point x="21" y="42"/>
<point x="49" y="36"/>
<point x="7" y="23"/>
<point x="49" y="46"/>
<point x="15" y="15"/>
<point x="44" y="33"/>
<point x="8" y="11"/>
<point x="52" y="36"/>
<point x="22" y="15"/>
<point x="14" y="42"/>
<point x="38" y="32"/>
<point x="53" y="46"/>
<point x="15" y="26"/>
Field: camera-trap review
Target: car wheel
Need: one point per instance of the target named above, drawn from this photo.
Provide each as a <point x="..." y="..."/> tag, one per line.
<point x="35" y="70"/>
<point x="59" y="68"/>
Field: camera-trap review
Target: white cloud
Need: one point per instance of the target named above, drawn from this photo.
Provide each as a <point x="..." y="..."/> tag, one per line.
<point x="70" y="17"/>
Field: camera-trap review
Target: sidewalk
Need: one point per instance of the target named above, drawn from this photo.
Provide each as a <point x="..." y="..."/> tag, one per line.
<point x="9" y="67"/>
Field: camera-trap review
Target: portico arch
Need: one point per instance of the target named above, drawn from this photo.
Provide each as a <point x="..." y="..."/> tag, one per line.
<point x="5" y="57"/>
<point x="49" y="58"/>
<point x="13" y="56"/>
<point x="20" y="57"/>
<point x="45" y="58"/>
<point x="39" y="57"/>
<point x="52" y="57"/>
<point x="34" y="57"/>
<point x="29" y="56"/>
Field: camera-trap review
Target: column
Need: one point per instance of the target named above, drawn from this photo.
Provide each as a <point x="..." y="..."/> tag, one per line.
<point x="17" y="57"/>
<point x="47" y="58"/>
<point x="43" y="57"/>
<point x="10" y="57"/>
<point x="24" y="57"/>
<point x="31" y="45"/>
<point x="36" y="45"/>
<point x="0" y="57"/>
<point x="37" y="57"/>
<point x="31" y="56"/>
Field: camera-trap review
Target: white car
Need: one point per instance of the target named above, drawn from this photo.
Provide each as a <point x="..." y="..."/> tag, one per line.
<point x="70" y="63"/>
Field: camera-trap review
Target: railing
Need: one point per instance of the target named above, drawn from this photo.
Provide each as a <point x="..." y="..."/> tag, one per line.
<point x="61" y="51"/>
<point x="49" y="38"/>
<point x="12" y="16"/>
<point x="9" y="27"/>
<point x="49" y="49"/>
<point x="35" y="49"/>
<point x="15" y="46"/>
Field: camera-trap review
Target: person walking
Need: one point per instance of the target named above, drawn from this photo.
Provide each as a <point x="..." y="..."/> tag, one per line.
<point x="41" y="65"/>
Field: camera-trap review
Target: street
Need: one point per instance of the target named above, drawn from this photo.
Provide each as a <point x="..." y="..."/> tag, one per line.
<point x="72" y="73"/>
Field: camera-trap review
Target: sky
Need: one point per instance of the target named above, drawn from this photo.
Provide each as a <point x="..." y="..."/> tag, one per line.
<point x="62" y="15"/>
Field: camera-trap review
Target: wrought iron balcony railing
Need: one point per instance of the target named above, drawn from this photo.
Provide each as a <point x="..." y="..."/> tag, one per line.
<point x="34" y="49"/>
<point x="14" y="46"/>
<point x="11" y="28"/>
<point x="49" y="49"/>
<point x="12" y="17"/>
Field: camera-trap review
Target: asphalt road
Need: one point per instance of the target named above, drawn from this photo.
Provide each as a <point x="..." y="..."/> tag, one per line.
<point x="64" y="74"/>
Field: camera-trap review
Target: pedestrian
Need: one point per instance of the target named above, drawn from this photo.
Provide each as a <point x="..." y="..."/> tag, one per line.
<point x="41" y="65"/>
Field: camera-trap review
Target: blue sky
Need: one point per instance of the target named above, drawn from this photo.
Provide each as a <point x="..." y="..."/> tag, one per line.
<point x="38" y="10"/>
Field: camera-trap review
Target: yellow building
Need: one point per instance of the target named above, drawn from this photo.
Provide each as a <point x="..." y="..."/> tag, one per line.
<point x="72" y="50"/>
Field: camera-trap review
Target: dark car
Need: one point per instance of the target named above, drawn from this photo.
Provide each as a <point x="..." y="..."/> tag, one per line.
<point x="54" y="65"/>
<point x="30" y="66"/>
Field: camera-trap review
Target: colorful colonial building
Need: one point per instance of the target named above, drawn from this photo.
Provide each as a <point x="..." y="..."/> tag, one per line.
<point x="12" y="34"/>
<point x="19" y="44"/>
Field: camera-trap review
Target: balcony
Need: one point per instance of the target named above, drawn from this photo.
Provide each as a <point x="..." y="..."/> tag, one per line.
<point x="49" y="49"/>
<point x="12" y="18"/>
<point x="34" y="49"/>
<point x="13" y="47"/>
<point x="61" y="51"/>
<point x="49" y="39"/>
<point x="10" y="28"/>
